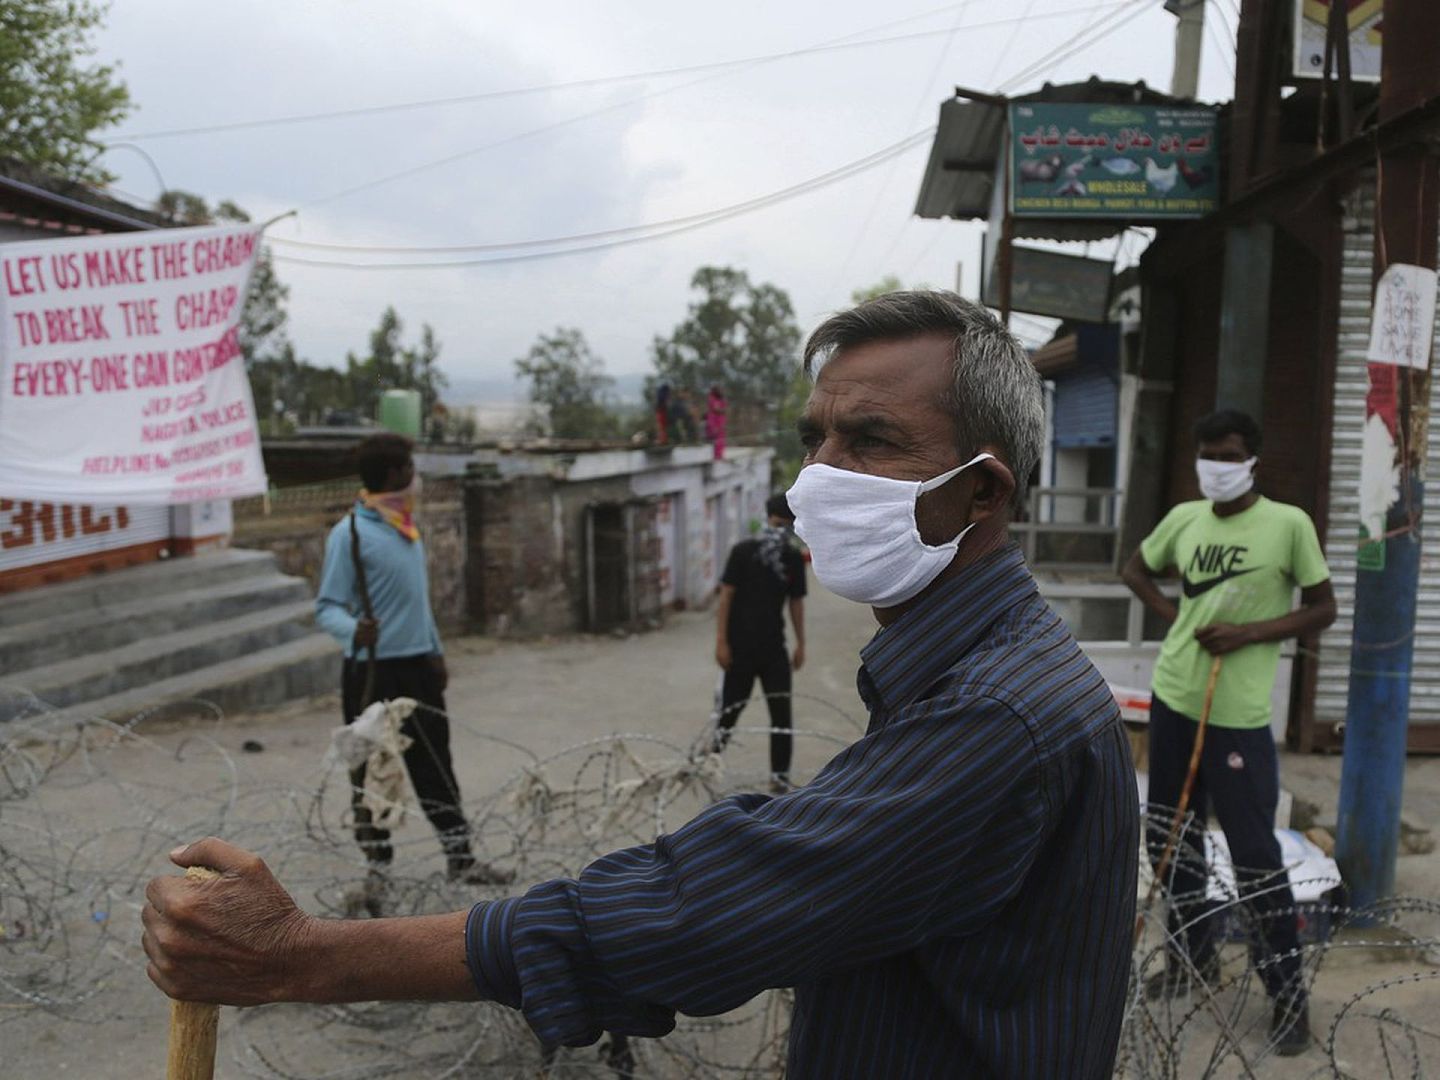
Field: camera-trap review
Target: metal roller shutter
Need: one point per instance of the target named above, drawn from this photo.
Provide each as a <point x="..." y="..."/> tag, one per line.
<point x="1333" y="682"/>
<point x="1085" y="407"/>
<point x="34" y="534"/>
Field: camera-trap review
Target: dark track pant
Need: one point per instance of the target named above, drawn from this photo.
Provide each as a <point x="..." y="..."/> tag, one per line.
<point x="772" y="667"/>
<point x="1239" y="776"/>
<point x="427" y="759"/>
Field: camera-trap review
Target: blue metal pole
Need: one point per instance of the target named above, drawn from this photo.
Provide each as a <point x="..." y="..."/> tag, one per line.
<point x="1377" y="714"/>
<point x="1378" y="710"/>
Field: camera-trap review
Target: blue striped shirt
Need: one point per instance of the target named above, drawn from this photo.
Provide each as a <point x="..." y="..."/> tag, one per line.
<point x="952" y="896"/>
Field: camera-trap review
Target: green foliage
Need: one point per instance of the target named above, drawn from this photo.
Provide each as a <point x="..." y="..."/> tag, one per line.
<point x="51" y="102"/>
<point x="887" y="284"/>
<point x="568" y="381"/>
<point x="740" y="335"/>
<point x="390" y="365"/>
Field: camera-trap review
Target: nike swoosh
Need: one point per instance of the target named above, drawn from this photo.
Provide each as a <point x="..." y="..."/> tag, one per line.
<point x="1193" y="589"/>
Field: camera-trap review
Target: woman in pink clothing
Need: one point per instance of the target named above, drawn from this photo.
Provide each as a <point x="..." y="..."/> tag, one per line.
<point x="715" y="409"/>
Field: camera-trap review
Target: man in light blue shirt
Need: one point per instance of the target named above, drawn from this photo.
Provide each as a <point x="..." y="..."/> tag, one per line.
<point x="374" y="599"/>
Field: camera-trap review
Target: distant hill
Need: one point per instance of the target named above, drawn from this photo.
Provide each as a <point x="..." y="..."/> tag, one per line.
<point x="479" y="390"/>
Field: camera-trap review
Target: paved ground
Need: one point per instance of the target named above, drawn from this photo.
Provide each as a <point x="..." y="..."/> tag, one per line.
<point x="547" y="696"/>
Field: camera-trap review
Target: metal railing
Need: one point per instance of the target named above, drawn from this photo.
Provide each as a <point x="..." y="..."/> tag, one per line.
<point x="1110" y="592"/>
<point x="1098" y="517"/>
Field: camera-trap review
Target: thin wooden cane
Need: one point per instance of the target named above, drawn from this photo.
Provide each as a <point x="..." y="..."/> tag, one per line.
<point x="193" y="1025"/>
<point x="1179" y="819"/>
<point x="368" y="694"/>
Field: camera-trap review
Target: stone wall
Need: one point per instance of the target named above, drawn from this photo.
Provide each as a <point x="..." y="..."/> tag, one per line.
<point x="513" y="545"/>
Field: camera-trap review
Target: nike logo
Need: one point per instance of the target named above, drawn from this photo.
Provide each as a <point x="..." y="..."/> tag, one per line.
<point x="1192" y="589"/>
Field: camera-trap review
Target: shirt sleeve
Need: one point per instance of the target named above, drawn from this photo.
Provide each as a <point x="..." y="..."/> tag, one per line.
<point x="1307" y="559"/>
<point x="733" y="567"/>
<point x="1158" y="549"/>
<point x="336" y="601"/>
<point x="795" y="566"/>
<point x="924" y="828"/>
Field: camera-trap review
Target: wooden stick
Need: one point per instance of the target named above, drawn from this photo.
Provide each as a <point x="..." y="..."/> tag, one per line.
<point x="1179" y="819"/>
<point x="193" y="1025"/>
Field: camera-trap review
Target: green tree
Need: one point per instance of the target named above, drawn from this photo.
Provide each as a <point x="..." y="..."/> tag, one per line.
<point x="887" y="284"/>
<point x="51" y="101"/>
<point x="740" y="335"/>
<point x="391" y="365"/>
<point x="422" y="370"/>
<point x="568" y="381"/>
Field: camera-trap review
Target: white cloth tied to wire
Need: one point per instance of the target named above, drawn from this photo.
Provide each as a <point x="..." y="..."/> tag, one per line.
<point x="376" y="741"/>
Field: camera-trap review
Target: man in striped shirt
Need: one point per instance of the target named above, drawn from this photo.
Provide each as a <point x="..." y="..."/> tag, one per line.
<point x="951" y="896"/>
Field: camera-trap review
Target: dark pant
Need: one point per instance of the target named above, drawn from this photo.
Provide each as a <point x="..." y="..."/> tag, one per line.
<point x="772" y="666"/>
<point x="1239" y="776"/>
<point x="427" y="759"/>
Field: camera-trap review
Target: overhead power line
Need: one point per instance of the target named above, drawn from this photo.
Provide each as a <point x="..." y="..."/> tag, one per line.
<point x="603" y="80"/>
<point x="1125" y="13"/>
<point x="635" y="234"/>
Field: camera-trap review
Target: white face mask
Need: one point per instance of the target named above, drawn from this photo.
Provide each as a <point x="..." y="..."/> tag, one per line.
<point x="864" y="542"/>
<point x="1225" y="481"/>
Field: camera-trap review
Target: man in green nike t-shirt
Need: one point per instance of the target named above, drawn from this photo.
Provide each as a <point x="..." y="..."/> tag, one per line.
<point x="1240" y="558"/>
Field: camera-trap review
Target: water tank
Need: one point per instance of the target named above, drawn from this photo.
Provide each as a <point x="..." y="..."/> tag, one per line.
<point x="400" y="412"/>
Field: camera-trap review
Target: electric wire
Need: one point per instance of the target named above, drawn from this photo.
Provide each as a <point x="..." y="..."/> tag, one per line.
<point x="659" y="230"/>
<point x="598" y="81"/>
<point x="884" y="184"/>
<point x="1130" y="11"/>
<point x="627" y="235"/>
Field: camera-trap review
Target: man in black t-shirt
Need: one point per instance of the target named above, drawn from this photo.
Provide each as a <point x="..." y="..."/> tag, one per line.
<point x="761" y="574"/>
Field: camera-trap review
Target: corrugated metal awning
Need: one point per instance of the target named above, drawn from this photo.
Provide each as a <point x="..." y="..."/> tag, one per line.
<point x="1056" y="356"/>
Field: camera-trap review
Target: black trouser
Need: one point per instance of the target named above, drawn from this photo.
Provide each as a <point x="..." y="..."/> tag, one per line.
<point x="427" y="759"/>
<point x="773" y="668"/>
<point x="1239" y="775"/>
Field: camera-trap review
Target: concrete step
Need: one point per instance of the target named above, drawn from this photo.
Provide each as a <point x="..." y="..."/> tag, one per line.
<point x="101" y="674"/>
<point x="99" y="591"/>
<point x="161" y="611"/>
<point x="260" y="680"/>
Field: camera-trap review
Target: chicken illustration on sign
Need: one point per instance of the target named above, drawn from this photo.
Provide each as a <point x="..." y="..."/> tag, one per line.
<point x="1112" y="161"/>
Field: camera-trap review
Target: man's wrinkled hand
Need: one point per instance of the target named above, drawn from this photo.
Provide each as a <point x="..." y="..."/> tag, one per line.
<point x="1218" y="639"/>
<point x="235" y="940"/>
<point x="797" y="661"/>
<point x="723" y="656"/>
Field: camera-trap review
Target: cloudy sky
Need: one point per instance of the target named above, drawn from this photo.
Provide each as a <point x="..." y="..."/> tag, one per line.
<point x="583" y="159"/>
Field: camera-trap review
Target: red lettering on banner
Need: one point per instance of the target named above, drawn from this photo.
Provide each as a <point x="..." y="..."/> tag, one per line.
<point x="152" y="369"/>
<point x="72" y="324"/>
<point x="123" y="267"/>
<point x="109" y="373"/>
<point x="65" y="269"/>
<point x="141" y="317"/>
<point x="49" y="378"/>
<point x="168" y="261"/>
<point x="205" y="308"/>
<point x="222" y="252"/>
<point x="23" y="276"/>
<point x="188" y="365"/>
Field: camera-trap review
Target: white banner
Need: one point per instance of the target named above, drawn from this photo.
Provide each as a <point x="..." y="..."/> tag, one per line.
<point x="121" y="379"/>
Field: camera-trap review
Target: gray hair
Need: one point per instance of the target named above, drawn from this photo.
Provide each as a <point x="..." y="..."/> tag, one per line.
<point x="995" y="398"/>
